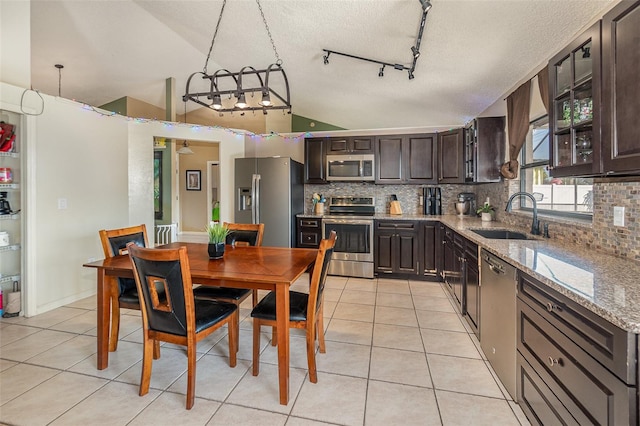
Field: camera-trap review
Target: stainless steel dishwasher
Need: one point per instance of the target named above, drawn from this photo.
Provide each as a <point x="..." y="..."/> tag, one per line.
<point x="498" y="317"/>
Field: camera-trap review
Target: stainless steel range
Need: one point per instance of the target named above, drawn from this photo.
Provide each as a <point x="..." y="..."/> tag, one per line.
<point x="352" y="219"/>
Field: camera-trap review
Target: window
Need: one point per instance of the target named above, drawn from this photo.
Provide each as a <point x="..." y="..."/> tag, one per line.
<point x="560" y="196"/>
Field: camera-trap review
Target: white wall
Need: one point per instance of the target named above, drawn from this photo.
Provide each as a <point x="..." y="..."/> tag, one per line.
<point x="15" y="43"/>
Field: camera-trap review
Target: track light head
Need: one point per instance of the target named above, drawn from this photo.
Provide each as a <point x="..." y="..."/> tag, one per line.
<point x="242" y="101"/>
<point x="325" y="58"/>
<point x="426" y="5"/>
<point x="415" y="52"/>
<point x="411" y="76"/>
<point x="217" y="102"/>
<point x="266" y="99"/>
<point x="381" y="73"/>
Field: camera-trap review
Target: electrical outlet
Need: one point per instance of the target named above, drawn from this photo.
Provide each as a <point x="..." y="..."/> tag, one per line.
<point x="618" y="216"/>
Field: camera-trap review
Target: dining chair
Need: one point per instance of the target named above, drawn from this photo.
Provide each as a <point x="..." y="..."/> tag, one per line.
<point x="178" y="318"/>
<point x="305" y="310"/>
<point x="123" y="293"/>
<point x="240" y="234"/>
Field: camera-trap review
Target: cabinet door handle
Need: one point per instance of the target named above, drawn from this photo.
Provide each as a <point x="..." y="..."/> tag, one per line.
<point x="554" y="361"/>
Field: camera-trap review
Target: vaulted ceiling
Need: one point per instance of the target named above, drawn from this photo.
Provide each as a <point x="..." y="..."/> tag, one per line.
<point x="472" y="51"/>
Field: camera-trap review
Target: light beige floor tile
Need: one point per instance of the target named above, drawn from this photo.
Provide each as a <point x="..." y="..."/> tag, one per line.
<point x="78" y="324"/>
<point x="336" y="282"/>
<point x="44" y="403"/>
<point x="397" y="337"/>
<point x="357" y="332"/>
<point x="334" y="399"/>
<point x="262" y="391"/>
<point x="245" y="344"/>
<point x="361" y="284"/>
<point x="393" y="286"/>
<point x="90" y="302"/>
<point x="462" y="375"/>
<point x="405" y="367"/>
<point x="236" y="415"/>
<point x="396" y="316"/>
<point x="12" y="333"/>
<point x="439" y="304"/>
<point x="33" y="344"/>
<point x="332" y="294"/>
<point x="52" y="317"/>
<point x="354" y="312"/>
<point x="358" y="296"/>
<point x="440" y="321"/>
<point x="214" y="378"/>
<point x="119" y="361"/>
<point x="67" y="354"/>
<point x="299" y="421"/>
<point x="394" y="300"/>
<point x="329" y="309"/>
<point x="164" y="371"/>
<point x="114" y="404"/>
<point x="449" y="343"/>
<point x="130" y="328"/>
<point x="517" y="411"/>
<point x="395" y="404"/>
<point x="19" y="379"/>
<point x="464" y="410"/>
<point x="345" y="358"/>
<point x="5" y="364"/>
<point x="210" y="341"/>
<point x="173" y="406"/>
<point x="297" y="352"/>
<point x="427" y="289"/>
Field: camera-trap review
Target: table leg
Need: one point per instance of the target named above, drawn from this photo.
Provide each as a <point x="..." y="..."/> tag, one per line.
<point x="103" y="319"/>
<point x="282" y="321"/>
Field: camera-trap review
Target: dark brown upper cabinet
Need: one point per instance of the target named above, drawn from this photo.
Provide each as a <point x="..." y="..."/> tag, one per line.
<point x="484" y="146"/>
<point x="621" y="89"/>
<point x="406" y="159"/>
<point x="451" y="156"/>
<point x="314" y="160"/>
<point x="350" y="145"/>
<point x="575" y="101"/>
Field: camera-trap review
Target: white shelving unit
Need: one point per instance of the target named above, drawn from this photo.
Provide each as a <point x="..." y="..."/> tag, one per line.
<point x="11" y="255"/>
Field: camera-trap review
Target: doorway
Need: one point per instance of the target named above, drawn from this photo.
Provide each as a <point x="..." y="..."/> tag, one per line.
<point x="213" y="189"/>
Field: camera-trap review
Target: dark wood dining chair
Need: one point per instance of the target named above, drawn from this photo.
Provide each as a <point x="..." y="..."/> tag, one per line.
<point x="179" y="318"/>
<point x="123" y="290"/>
<point x="305" y="310"/>
<point x="241" y="234"/>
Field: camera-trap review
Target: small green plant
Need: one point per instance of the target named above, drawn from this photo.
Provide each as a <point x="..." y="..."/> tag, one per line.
<point x="217" y="232"/>
<point x="486" y="208"/>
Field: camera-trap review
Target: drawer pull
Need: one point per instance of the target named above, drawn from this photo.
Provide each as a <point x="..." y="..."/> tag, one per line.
<point x="551" y="307"/>
<point x="554" y="361"/>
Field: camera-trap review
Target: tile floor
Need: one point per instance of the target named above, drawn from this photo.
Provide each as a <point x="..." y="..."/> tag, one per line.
<point x="397" y="354"/>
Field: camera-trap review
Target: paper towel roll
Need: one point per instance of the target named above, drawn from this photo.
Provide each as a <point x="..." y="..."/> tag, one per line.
<point x="13" y="302"/>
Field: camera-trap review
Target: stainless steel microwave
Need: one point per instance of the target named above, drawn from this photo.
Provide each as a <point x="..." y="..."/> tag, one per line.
<point x="350" y="167"/>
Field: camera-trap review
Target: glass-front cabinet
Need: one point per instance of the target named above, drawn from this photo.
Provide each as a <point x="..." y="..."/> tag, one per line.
<point x="574" y="89"/>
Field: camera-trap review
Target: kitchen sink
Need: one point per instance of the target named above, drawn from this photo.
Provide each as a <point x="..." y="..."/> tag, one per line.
<point x="500" y="234"/>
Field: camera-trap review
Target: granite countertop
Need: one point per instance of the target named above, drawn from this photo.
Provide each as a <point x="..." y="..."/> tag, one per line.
<point x="606" y="285"/>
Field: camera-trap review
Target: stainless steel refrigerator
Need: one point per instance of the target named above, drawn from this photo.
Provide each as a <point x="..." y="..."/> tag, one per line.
<point x="270" y="191"/>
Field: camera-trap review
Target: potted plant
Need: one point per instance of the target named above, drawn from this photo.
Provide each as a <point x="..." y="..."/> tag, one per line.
<point x="486" y="212"/>
<point x="217" y="236"/>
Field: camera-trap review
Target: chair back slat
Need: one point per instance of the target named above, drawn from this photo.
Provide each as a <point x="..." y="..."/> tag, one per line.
<point x="247" y="233"/>
<point x="164" y="269"/>
<point x="319" y="275"/>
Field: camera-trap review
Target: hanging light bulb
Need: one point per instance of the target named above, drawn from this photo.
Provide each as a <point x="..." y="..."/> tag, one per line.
<point x="217" y="102"/>
<point x="242" y="101"/>
<point x="266" y="99"/>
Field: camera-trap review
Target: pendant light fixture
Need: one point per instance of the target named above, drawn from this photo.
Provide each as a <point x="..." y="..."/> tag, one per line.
<point x="185" y="145"/>
<point x="226" y="84"/>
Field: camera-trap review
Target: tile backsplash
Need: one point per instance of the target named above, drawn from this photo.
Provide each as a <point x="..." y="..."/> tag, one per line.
<point x="599" y="235"/>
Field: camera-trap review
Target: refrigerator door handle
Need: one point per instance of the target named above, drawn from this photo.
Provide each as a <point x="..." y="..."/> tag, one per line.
<point x="256" y="218"/>
<point x="253" y="197"/>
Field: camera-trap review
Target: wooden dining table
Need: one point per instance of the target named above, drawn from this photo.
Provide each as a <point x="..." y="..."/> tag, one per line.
<point x="261" y="268"/>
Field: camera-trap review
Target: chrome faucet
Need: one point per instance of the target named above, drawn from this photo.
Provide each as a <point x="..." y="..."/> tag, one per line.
<point x="535" y="226"/>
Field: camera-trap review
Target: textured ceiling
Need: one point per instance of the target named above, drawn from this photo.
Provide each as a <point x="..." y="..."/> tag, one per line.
<point x="472" y="51"/>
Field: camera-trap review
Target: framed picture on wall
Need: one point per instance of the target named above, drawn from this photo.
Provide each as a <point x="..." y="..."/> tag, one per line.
<point x="193" y="180"/>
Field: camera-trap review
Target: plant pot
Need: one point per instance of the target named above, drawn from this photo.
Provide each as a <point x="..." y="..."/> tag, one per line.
<point x="216" y="250"/>
<point x="486" y="217"/>
<point x="319" y="208"/>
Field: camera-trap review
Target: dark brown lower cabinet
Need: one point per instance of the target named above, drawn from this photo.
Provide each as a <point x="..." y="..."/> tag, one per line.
<point x="472" y="286"/>
<point x="396" y="247"/>
<point x="430" y="237"/>
<point x="309" y="232"/>
<point x="559" y="378"/>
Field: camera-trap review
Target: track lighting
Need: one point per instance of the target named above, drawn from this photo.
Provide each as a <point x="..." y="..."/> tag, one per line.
<point x="426" y="5"/>
<point x="266" y="100"/>
<point x="217" y="102"/>
<point x="411" y="76"/>
<point x="381" y="72"/>
<point x="415" y="52"/>
<point x="325" y="58"/>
